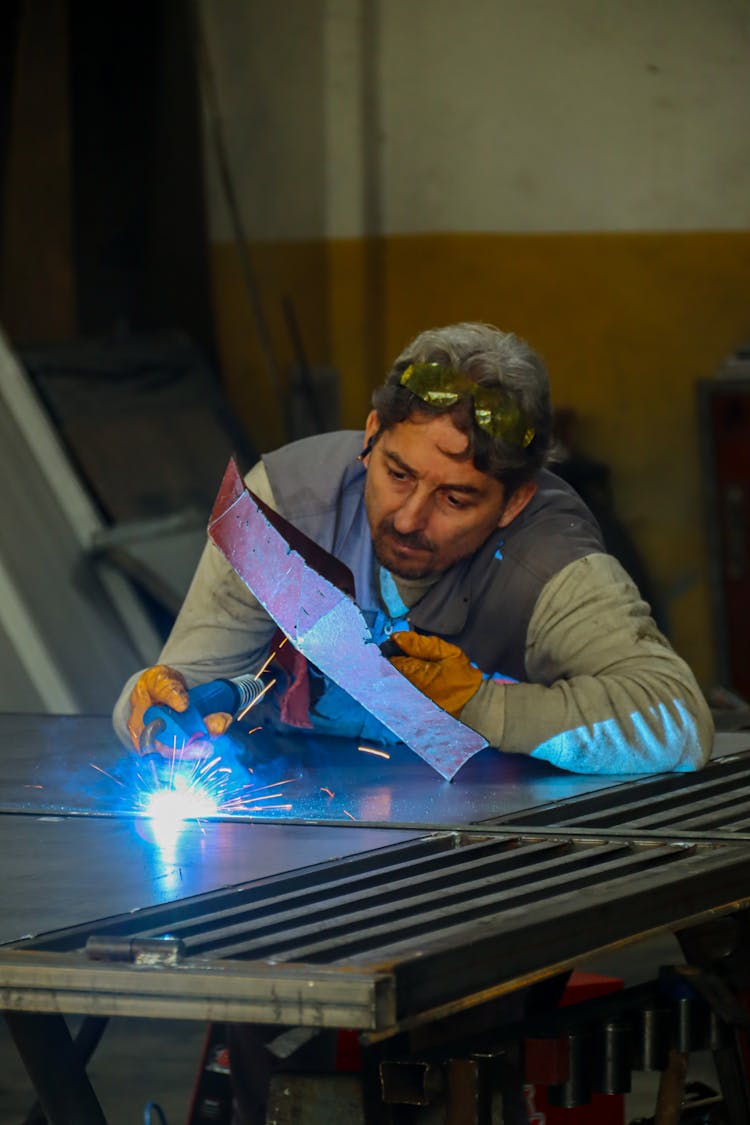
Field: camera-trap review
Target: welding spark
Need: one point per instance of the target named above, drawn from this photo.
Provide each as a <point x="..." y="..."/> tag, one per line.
<point x="330" y="792"/>
<point x="182" y="801"/>
<point x="347" y="813"/>
<point x="265" y="663"/>
<point x="205" y="789"/>
<point x="109" y="775"/>
<point x="171" y="791"/>
<point x="273" y="785"/>
<point x="372" y="750"/>
<point x="186" y="785"/>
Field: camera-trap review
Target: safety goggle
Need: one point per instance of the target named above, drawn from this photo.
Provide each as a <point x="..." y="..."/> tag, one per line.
<point x="495" y="412"/>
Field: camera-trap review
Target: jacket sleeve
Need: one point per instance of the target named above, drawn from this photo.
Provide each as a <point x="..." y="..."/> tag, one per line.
<point x="221" y="629"/>
<point x="606" y="692"/>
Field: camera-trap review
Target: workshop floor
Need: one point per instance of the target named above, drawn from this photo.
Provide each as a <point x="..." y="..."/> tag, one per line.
<point x="143" y="1061"/>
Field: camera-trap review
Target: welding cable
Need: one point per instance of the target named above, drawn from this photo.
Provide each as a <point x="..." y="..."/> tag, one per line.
<point x="153" y="1107"/>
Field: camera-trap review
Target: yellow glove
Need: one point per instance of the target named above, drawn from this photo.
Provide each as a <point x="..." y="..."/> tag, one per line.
<point x="217" y="722"/>
<point x="440" y="670"/>
<point x="159" y="684"/>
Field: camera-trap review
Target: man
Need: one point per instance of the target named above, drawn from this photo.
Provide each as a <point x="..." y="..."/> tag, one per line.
<point x="485" y="570"/>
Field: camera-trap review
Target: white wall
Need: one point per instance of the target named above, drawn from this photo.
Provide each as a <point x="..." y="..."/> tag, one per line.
<point x="575" y="115"/>
<point x="510" y="115"/>
<point x="267" y="61"/>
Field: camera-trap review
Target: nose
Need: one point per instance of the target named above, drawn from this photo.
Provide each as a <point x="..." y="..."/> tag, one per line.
<point x="412" y="514"/>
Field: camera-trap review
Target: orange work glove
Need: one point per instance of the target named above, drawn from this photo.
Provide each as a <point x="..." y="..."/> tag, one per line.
<point x="440" y="670"/>
<point x="159" y="684"/>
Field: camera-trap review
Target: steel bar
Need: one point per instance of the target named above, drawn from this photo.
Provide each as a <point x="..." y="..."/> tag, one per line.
<point x="85" y="1042"/>
<point x="417" y="913"/>
<point x="198" y="990"/>
<point x="379" y="897"/>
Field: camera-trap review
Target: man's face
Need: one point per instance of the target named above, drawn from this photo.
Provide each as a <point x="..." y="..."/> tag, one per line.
<point x="426" y="509"/>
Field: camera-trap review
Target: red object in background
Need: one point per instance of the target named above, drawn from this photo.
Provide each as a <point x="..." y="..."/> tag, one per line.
<point x="603" y="1109"/>
<point x="212" y="1096"/>
<point x="348" y="1055"/>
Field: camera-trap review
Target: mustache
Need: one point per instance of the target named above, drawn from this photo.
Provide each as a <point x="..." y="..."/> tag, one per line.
<point x="413" y="539"/>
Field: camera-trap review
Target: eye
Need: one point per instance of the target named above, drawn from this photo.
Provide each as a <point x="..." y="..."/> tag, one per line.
<point x="396" y="474"/>
<point x="457" y="503"/>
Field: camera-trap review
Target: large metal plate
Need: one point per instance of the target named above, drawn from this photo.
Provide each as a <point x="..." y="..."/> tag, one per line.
<point x="58" y="871"/>
<point x="46" y="765"/>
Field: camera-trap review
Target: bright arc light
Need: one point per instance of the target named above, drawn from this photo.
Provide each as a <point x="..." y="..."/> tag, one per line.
<point x="168" y="808"/>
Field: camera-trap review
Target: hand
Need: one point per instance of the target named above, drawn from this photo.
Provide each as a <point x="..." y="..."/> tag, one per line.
<point x="440" y="670"/>
<point x="217" y="723"/>
<point x="165" y="686"/>
<point x="159" y="684"/>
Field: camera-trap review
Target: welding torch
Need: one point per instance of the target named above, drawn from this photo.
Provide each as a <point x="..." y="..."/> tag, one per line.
<point x="175" y="728"/>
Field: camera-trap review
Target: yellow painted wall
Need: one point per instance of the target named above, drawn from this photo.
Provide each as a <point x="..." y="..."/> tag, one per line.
<point x="627" y="323"/>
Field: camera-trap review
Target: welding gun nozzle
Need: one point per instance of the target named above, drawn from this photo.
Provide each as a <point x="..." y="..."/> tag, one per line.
<point x="149" y="734"/>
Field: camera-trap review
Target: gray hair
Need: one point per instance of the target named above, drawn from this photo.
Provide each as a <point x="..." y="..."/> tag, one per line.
<point x="490" y="358"/>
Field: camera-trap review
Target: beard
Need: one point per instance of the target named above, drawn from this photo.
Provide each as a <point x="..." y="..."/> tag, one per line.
<point x="386" y="542"/>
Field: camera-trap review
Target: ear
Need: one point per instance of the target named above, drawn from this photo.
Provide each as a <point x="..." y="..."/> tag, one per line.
<point x="372" y="425"/>
<point x="372" y="428"/>
<point x="517" y="502"/>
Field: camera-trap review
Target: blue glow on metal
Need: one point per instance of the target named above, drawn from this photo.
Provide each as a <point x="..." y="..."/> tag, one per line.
<point x="169" y="792"/>
<point x="662" y="738"/>
<point x="169" y="788"/>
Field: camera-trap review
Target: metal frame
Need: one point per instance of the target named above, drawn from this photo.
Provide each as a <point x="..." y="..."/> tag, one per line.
<point x="383" y="943"/>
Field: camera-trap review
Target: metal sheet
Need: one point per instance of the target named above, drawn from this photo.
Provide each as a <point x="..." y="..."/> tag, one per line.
<point x="45" y="764"/>
<point x="58" y="871"/>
